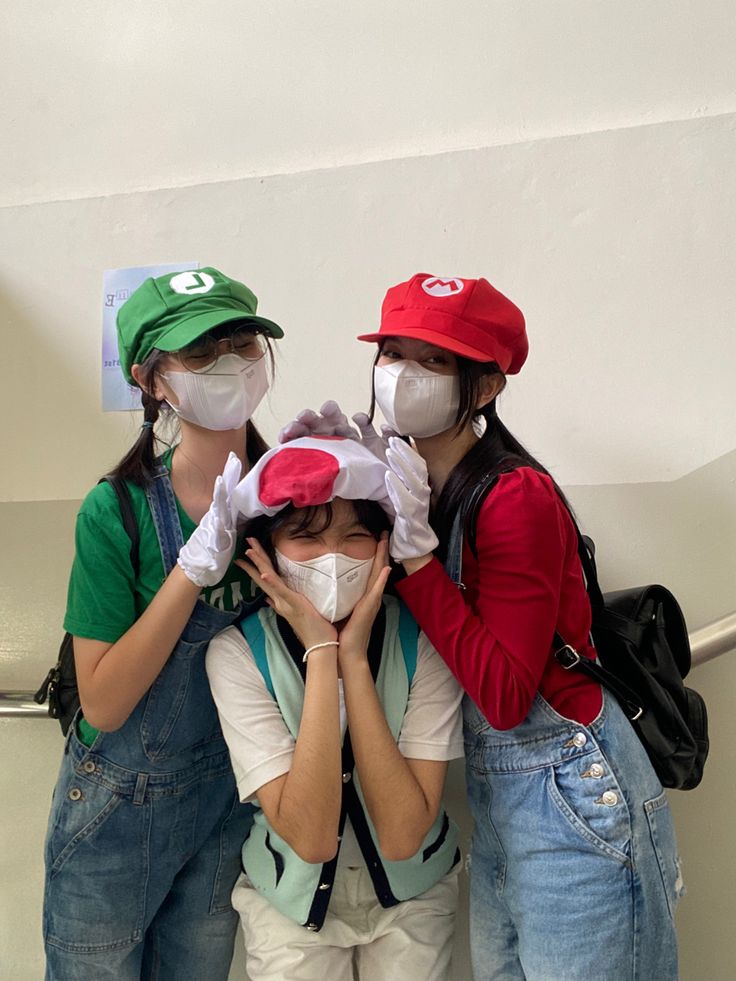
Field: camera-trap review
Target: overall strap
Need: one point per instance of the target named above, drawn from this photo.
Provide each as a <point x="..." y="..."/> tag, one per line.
<point x="466" y="517"/>
<point x="162" y="501"/>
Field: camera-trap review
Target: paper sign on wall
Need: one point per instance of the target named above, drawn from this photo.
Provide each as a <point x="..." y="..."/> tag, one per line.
<point x="118" y="284"/>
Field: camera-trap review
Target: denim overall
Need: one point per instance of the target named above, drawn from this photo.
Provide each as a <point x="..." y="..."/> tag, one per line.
<point x="145" y="831"/>
<point x="574" y="867"/>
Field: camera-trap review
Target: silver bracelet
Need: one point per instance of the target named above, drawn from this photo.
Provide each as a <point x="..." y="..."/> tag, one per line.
<point x="314" y="647"/>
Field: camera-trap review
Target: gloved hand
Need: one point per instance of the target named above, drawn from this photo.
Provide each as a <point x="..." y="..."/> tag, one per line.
<point x="407" y="485"/>
<point x="329" y="421"/>
<point x="209" y="551"/>
<point x="378" y="445"/>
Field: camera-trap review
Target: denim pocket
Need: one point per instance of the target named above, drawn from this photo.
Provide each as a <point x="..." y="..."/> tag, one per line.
<point x="96" y="868"/>
<point x="79" y="817"/>
<point x="586" y="793"/>
<point x="662" y="832"/>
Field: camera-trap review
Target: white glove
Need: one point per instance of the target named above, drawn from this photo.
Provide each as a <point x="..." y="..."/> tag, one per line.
<point x="329" y="421"/>
<point x="407" y="485"/>
<point x="208" y="553"/>
<point x="378" y="445"/>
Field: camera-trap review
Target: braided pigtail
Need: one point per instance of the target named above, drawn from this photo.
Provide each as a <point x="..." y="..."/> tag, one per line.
<point x="138" y="463"/>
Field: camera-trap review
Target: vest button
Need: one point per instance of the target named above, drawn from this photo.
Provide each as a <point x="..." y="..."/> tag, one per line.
<point x="346" y="778"/>
<point x="75" y="794"/>
<point x="88" y="766"/>
<point x="579" y="739"/>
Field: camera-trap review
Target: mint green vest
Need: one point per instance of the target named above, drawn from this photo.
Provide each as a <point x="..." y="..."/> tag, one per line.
<point x="301" y="890"/>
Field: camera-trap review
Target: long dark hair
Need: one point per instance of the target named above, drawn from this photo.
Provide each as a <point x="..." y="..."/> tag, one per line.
<point x="316" y="518"/>
<point x="138" y="464"/>
<point x="497" y="450"/>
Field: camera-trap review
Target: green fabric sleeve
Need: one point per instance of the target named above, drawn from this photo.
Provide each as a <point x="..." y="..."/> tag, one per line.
<point x="101" y="595"/>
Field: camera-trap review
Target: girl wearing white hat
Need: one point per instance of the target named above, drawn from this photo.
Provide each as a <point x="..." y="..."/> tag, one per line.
<point x="574" y="867"/>
<point x="340" y="719"/>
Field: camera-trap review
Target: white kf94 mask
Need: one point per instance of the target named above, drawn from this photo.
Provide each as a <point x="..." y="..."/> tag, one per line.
<point x="415" y="401"/>
<point x="223" y="396"/>
<point x="333" y="583"/>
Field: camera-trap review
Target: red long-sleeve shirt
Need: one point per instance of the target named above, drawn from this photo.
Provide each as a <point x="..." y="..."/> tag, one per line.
<point x="496" y="636"/>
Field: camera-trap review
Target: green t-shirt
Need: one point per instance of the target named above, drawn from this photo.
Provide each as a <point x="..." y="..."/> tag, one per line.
<point x="105" y="598"/>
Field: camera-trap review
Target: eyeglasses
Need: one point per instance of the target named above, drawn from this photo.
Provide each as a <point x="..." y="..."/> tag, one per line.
<point x="202" y="354"/>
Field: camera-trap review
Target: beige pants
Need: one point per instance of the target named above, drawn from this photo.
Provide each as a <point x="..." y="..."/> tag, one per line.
<point x="359" y="939"/>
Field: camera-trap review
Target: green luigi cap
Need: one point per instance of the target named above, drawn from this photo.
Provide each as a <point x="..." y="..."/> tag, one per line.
<point x="171" y="311"/>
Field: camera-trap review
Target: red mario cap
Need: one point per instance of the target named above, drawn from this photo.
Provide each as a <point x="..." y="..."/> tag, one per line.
<point x="466" y="316"/>
<point x="312" y="470"/>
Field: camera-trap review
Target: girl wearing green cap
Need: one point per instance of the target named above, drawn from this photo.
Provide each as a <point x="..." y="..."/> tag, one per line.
<point x="143" y="846"/>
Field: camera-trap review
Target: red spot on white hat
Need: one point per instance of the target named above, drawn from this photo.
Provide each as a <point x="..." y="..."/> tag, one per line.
<point x="301" y="476"/>
<point x="437" y="286"/>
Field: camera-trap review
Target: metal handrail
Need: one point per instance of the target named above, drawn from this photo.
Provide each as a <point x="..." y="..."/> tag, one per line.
<point x="707" y="643"/>
<point x="713" y="640"/>
<point x="20" y="704"/>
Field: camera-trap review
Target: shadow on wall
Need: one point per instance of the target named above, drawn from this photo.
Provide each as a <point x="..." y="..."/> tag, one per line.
<point x="681" y="533"/>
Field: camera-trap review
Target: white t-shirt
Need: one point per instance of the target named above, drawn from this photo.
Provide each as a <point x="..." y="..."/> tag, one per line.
<point x="261" y="746"/>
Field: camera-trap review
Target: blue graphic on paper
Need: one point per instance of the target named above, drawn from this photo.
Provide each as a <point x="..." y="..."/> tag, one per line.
<point x="118" y="284"/>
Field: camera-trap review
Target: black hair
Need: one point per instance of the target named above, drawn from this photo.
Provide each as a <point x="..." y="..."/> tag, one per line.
<point x="316" y="518"/>
<point x="138" y="464"/>
<point x="497" y="450"/>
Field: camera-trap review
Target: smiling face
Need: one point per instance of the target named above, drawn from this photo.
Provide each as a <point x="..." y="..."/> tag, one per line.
<point x="343" y="533"/>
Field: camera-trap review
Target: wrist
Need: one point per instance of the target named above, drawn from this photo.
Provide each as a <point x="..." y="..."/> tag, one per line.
<point x="320" y="634"/>
<point x="325" y="651"/>
<point x="353" y="660"/>
<point x="415" y="564"/>
<point x="322" y="646"/>
<point x="187" y="577"/>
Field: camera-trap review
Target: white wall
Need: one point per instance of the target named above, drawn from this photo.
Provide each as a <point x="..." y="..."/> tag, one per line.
<point x="579" y="154"/>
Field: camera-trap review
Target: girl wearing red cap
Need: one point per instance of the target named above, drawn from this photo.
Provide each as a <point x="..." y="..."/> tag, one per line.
<point x="340" y="719"/>
<point x="574" y="867"/>
<point x="144" y="837"/>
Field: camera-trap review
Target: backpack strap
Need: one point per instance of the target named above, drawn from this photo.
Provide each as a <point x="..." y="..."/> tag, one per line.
<point x="568" y="657"/>
<point x="60" y="684"/>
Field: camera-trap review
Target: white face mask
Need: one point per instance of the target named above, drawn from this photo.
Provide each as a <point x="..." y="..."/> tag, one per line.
<point x="332" y="583"/>
<point x="222" y="396"/>
<point x="414" y="400"/>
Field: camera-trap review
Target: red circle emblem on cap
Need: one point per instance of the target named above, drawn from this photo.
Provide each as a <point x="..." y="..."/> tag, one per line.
<point x="300" y="475"/>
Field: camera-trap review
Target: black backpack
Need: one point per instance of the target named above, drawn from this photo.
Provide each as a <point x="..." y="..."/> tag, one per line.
<point x="60" y="684"/>
<point x="643" y="650"/>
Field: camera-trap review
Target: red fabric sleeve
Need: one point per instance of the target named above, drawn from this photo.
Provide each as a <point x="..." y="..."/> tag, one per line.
<point x="497" y="636"/>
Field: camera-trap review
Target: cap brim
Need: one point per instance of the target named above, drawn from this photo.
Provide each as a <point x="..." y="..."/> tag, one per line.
<point x="431" y="337"/>
<point x="185" y="331"/>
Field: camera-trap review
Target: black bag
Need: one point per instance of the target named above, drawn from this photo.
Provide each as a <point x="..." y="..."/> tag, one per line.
<point x="60" y="684"/>
<point x="643" y="648"/>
